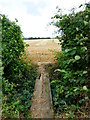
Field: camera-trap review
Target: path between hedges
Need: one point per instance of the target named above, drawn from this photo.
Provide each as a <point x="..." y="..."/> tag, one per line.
<point x="42" y="100"/>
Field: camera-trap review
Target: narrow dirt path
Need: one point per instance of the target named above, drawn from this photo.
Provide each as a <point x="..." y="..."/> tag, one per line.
<point x="41" y="101"/>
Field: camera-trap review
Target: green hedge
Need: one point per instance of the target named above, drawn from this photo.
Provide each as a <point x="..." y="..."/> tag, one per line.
<point x="18" y="77"/>
<point x="0" y="83"/>
<point x="70" y="92"/>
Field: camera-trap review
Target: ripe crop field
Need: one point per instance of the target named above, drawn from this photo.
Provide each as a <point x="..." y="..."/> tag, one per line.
<point x="42" y="50"/>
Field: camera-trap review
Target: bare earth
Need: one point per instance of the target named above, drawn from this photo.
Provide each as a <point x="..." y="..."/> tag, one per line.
<point x="42" y="52"/>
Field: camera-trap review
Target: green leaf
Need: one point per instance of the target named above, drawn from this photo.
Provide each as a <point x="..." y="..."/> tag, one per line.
<point x="84" y="72"/>
<point x="86" y="16"/>
<point x="85" y="23"/>
<point x="73" y="52"/>
<point x="85" y="88"/>
<point x="77" y="28"/>
<point x="62" y="102"/>
<point x="77" y="57"/>
<point x="67" y="50"/>
<point x="27" y="45"/>
<point x="84" y="49"/>
<point x="57" y="70"/>
<point x="76" y="89"/>
<point x="86" y="98"/>
<point x="54" y="81"/>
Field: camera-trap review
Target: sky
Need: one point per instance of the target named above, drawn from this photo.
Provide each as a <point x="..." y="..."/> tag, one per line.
<point x="34" y="16"/>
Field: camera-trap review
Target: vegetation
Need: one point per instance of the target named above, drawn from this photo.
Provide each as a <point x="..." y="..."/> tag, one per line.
<point x="18" y="77"/>
<point x="69" y="76"/>
<point x="0" y="67"/>
<point x="70" y="80"/>
<point x="35" y="38"/>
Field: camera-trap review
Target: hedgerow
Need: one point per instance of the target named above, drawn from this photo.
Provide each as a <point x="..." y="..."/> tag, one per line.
<point x="0" y="66"/>
<point x="71" y="91"/>
<point x="18" y="77"/>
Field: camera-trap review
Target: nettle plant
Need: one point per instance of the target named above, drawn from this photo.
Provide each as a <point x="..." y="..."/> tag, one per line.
<point x="72" y="88"/>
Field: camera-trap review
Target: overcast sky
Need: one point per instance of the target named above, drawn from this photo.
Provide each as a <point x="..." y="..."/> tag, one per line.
<point x="35" y="15"/>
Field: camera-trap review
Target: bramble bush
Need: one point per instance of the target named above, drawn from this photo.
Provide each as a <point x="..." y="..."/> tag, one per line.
<point x="18" y="77"/>
<point x="71" y="91"/>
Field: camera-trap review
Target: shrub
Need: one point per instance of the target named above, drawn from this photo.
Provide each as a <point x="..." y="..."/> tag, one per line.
<point x="18" y="77"/>
<point x="70" y="92"/>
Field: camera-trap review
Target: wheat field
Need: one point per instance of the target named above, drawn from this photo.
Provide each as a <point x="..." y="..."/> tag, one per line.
<point x="42" y="50"/>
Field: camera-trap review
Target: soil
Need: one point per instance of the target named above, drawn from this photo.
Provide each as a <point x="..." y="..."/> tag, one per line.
<point x="42" y="100"/>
